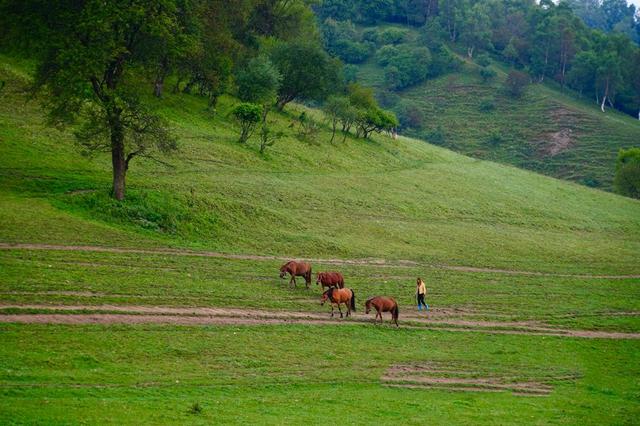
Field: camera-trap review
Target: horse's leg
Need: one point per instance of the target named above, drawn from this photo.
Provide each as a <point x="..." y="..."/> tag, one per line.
<point x="340" y="309"/>
<point x="348" y="303"/>
<point x="331" y="309"/>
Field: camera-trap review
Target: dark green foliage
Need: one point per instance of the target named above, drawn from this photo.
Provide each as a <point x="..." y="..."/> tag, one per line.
<point x="342" y="40"/>
<point x="195" y="408"/>
<point x="349" y="74"/>
<point x="247" y="116"/>
<point x="436" y="136"/>
<point x="627" y="178"/>
<point x="487" y="74"/>
<point x="404" y="65"/>
<point x="483" y="60"/>
<point x="391" y="36"/>
<point x="516" y="83"/>
<point x="495" y="139"/>
<point x="308" y="73"/>
<point x="487" y="105"/>
<point x="259" y="81"/>
<point x="410" y="116"/>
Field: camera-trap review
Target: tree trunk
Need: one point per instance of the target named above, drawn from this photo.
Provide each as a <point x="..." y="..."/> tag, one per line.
<point x="470" y="52"/>
<point x="117" y="157"/>
<point x="333" y="131"/>
<point x="158" y="85"/>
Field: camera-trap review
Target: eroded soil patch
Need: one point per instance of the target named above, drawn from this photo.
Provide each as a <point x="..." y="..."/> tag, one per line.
<point x="461" y="376"/>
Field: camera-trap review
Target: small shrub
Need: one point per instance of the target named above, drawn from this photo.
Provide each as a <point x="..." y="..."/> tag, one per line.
<point x="483" y="60"/>
<point x="487" y="74"/>
<point x="495" y="139"/>
<point x="307" y="129"/>
<point x="247" y="116"/>
<point x="391" y="36"/>
<point x="487" y="105"/>
<point x="591" y="182"/>
<point x="627" y="178"/>
<point x="436" y="136"/>
<point x="516" y="83"/>
<point x="410" y="116"/>
<point x="195" y="409"/>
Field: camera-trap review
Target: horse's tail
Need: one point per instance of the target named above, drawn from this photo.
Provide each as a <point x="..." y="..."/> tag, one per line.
<point x="396" y="312"/>
<point x="308" y="275"/>
<point x="353" y="301"/>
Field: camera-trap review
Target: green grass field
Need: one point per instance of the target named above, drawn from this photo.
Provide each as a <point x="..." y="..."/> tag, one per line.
<point x="533" y="282"/>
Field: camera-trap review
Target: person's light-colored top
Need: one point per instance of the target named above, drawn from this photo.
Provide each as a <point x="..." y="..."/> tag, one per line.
<point x="421" y="288"/>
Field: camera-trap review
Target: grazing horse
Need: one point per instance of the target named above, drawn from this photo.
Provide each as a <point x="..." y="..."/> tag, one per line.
<point x="383" y="304"/>
<point x="338" y="296"/>
<point x="296" y="269"/>
<point x="330" y="279"/>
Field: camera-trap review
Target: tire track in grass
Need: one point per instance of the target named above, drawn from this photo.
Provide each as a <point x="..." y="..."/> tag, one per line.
<point x="355" y="262"/>
<point x="117" y="314"/>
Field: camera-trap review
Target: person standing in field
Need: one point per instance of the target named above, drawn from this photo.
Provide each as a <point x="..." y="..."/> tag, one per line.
<point x="421" y="291"/>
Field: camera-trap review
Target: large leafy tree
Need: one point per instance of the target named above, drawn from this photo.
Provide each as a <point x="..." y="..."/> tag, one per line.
<point x="308" y="73"/>
<point x="477" y="28"/>
<point x="89" y="53"/>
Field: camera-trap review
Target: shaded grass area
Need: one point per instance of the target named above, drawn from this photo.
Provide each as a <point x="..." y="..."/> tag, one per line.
<point x="50" y="277"/>
<point x="269" y="374"/>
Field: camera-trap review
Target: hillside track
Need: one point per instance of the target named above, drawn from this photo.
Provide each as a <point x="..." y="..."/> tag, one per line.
<point x="364" y="262"/>
<point x="124" y="314"/>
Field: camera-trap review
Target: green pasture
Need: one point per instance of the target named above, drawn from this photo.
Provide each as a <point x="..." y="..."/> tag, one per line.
<point x="377" y="199"/>
<point x="299" y="374"/>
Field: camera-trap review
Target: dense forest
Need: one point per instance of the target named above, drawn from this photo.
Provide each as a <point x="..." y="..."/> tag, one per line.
<point x="546" y="40"/>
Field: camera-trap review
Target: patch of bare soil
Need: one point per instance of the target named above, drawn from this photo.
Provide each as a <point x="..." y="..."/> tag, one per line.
<point x="119" y="314"/>
<point x="556" y="142"/>
<point x="364" y="262"/>
<point x="468" y="377"/>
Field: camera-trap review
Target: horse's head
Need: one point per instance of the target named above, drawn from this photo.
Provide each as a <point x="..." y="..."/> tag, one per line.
<point x="367" y="305"/>
<point x="319" y="280"/>
<point x="283" y="270"/>
<point x="326" y="296"/>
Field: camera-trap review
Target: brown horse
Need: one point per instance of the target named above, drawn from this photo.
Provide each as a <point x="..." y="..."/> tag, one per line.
<point x="330" y="279"/>
<point x="338" y="296"/>
<point x="296" y="269"/>
<point x="383" y="304"/>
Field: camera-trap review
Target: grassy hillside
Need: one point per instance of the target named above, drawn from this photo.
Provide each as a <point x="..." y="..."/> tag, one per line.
<point x="307" y="198"/>
<point x="532" y="281"/>
<point x="548" y="130"/>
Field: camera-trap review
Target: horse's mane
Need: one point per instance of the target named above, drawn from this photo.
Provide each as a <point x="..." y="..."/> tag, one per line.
<point x="285" y="265"/>
<point x="330" y="292"/>
<point x="370" y="299"/>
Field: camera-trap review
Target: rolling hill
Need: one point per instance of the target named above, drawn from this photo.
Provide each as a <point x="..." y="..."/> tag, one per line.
<point x="549" y="130"/>
<point x="167" y="308"/>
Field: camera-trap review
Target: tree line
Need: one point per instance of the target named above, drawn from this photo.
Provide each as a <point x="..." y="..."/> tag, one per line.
<point x="96" y="61"/>
<point x="546" y="40"/>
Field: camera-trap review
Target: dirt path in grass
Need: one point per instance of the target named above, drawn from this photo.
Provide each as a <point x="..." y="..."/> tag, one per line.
<point x="363" y="262"/>
<point x="119" y="314"/>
